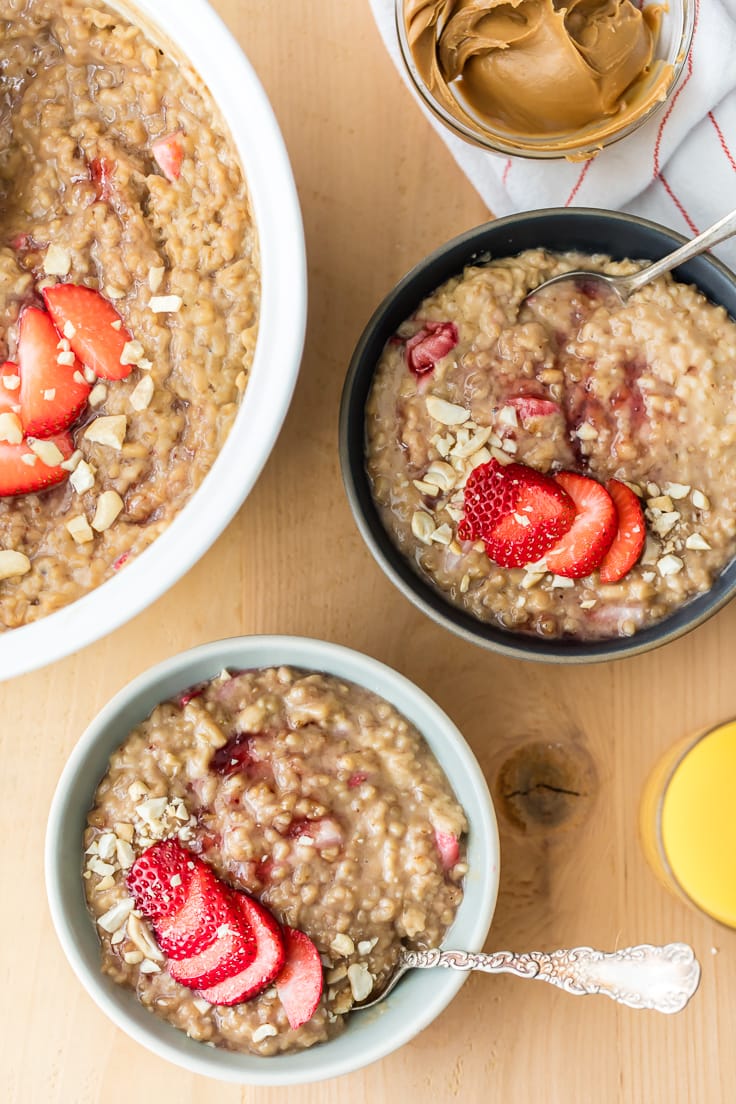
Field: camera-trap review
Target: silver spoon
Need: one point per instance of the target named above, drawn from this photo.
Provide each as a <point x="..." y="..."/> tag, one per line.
<point x="659" y="978"/>
<point x="624" y="286"/>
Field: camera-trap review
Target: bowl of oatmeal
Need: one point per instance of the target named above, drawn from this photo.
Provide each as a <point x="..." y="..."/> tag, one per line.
<point x="547" y="476"/>
<point x="295" y="778"/>
<point x="148" y="266"/>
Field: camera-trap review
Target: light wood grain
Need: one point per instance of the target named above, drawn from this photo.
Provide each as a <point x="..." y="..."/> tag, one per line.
<point x="378" y="191"/>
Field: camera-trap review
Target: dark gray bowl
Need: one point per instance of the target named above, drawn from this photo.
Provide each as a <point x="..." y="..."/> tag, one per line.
<point x="559" y="229"/>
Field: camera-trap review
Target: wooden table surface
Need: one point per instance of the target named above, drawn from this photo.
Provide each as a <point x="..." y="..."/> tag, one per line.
<point x="378" y="191"/>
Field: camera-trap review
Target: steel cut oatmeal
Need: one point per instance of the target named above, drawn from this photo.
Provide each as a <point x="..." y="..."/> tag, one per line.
<point x="129" y="291"/>
<point x="305" y="795"/>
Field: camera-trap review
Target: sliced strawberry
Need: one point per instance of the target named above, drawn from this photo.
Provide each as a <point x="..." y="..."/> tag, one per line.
<point x="52" y="395"/>
<point x="19" y="476"/>
<point x="90" y="319"/>
<point x="232" y="951"/>
<point x="267" y="963"/>
<point x="582" y="549"/>
<point x="629" y="541"/>
<point x="430" y="344"/>
<point x="448" y="846"/>
<point x="239" y="756"/>
<point x="169" y="154"/>
<point x="101" y="171"/>
<point x="194" y="926"/>
<point x="529" y="406"/>
<point x="517" y="512"/>
<point x="299" y="985"/>
<point x="159" y="879"/>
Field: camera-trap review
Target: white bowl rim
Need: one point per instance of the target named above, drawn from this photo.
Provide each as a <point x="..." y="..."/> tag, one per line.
<point x="481" y="887"/>
<point x="199" y="33"/>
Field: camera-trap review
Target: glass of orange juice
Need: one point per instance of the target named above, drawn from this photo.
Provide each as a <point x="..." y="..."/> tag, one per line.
<point x="688" y="821"/>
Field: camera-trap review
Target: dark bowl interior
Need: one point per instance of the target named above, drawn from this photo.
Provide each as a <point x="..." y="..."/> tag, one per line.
<point x="563" y="229"/>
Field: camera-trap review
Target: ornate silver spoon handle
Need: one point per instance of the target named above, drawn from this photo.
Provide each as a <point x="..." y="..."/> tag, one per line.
<point x="659" y="978"/>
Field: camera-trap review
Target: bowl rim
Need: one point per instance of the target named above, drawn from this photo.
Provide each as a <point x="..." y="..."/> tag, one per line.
<point x="220" y="63"/>
<point x="63" y="863"/>
<point x="420" y="592"/>
<point x="500" y="142"/>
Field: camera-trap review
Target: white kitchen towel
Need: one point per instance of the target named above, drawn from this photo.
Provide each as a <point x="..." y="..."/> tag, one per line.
<point x="679" y="169"/>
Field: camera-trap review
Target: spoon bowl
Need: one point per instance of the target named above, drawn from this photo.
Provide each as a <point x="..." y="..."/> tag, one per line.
<point x="624" y="286"/>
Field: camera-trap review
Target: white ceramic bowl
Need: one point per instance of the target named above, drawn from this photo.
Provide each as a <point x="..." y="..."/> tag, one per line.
<point x="420" y="997"/>
<point x="199" y="34"/>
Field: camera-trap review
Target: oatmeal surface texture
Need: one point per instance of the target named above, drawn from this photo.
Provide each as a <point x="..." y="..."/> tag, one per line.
<point x="87" y="93"/>
<point x="312" y="794"/>
<point x="644" y="392"/>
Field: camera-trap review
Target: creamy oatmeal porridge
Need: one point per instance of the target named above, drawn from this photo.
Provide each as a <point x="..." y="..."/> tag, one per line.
<point x="117" y="174"/>
<point x="309" y="793"/>
<point x="477" y="388"/>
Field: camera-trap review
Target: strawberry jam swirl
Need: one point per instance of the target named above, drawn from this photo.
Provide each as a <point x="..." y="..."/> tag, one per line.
<point x="260" y="848"/>
<point x="558" y="465"/>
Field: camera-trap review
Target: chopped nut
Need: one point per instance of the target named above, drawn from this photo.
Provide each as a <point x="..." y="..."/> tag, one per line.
<point x="97" y="866"/>
<point x="653" y="490"/>
<point x="106" y="845"/>
<point x="442" y="535"/>
<point x="46" y="451"/>
<point x="337" y="974"/>
<point x="669" y="565"/>
<point x="125" y="854"/>
<point x="73" y="462"/>
<point x="342" y="944"/>
<point x="429" y="489"/>
<point x="124" y="831"/>
<point x="677" y="490"/>
<point x="422" y="526"/>
<point x="501" y="456"/>
<point x="366" y="945"/>
<point x="97" y="395"/>
<point x="57" y="262"/>
<point x="105" y="883"/>
<point x="11" y="382"/>
<point x="83" y="477"/>
<point x="633" y="487"/>
<point x="165" y="304"/>
<point x="201" y="1005"/>
<point x="117" y="324"/>
<point x="648" y="576"/>
<point x="561" y="581"/>
<point x="13" y="563"/>
<point x="155" y="277"/>
<point x="507" y="417"/>
<point x="509" y="445"/>
<point x="137" y="790"/>
<point x="586" y="432"/>
<point x="140" y="934"/>
<point x="148" y="967"/>
<point x="263" y="1032"/>
<point x="11" y="428"/>
<point x="662" y="523"/>
<point x="114" y="292"/>
<point x="697" y="543"/>
<point x="531" y="578"/>
<point x="465" y="583"/>
<point x="146" y="365"/>
<point x="63" y="345"/>
<point x="471" y="446"/>
<point x="587" y="604"/>
<point x="90" y="375"/>
<point x="142" y="393"/>
<point x="79" y="530"/>
<point x="109" y="505"/>
<point x="69" y="330"/>
<point x="445" y="412"/>
<point x="115" y="917"/>
<point x="151" y="809"/>
<point x="131" y="353"/>
<point x="110" y="430"/>
<point x="700" y="501"/>
<point x="441" y="475"/>
<point x="66" y="358"/>
<point x="133" y="957"/>
<point x="361" y="982"/>
<point x="522" y="519"/>
<point x="661" y="502"/>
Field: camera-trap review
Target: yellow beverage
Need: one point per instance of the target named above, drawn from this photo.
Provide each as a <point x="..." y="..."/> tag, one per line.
<point x="689" y="821"/>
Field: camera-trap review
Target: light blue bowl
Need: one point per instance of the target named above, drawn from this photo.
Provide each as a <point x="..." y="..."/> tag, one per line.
<point x="420" y="997"/>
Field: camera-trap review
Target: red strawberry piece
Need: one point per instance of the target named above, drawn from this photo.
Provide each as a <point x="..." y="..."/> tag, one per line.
<point x="52" y="395"/>
<point x="20" y="477"/>
<point x="325" y="832"/>
<point x="194" y="926"/>
<point x="101" y="170"/>
<point x="91" y="320"/>
<point x="299" y="985"/>
<point x="356" y="779"/>
<point x="430" y="344"/>
<point x="232" y="951"/>
<point x="448" y="846"/>
<point x="582" y="549"/>
<point x="266" y="965"/>
<point x="529" y="406"/>
<point x="629" y="541"/>
<point x="517" y="512"/>
<point x="9" y="388"/>
<point x="169" y="154"/>
<point x="159" y="879"/>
